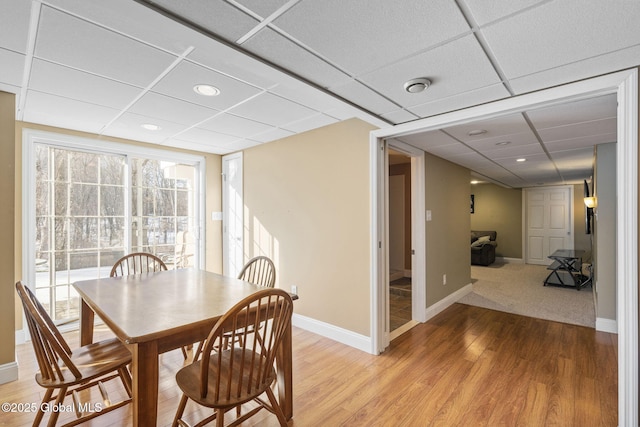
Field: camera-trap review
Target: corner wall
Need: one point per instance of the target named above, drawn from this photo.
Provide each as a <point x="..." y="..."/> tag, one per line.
<point x="307" y="206"/>
<point x="8" y="366"/>
<point x="447" y="234"/>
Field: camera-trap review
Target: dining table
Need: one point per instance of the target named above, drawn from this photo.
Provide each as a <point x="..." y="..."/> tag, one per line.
<point x="152" y="313"/>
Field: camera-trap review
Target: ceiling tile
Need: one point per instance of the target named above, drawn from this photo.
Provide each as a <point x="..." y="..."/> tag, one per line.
<point x="575" y="130"/>
<point x="400" y="116"/>
<point x="495" y="128"/>
<point x="264" y="8"/>
<point x="171" y="109"/>
<point x="130" y="124"/>
<point x="14" y="24"/>
<point x="446" y="151"/>
<point x="456" y="67"/>
<point x="272" y="135"/>
<point x="365" y="97"/>
<point x="273" y="110"/>
<point x="426" y="140"/>
<point x="309" y="123"/>
<point x="462" y="100"/>
<point x="495" y="143"/>
<point x="207" y="136"/>
<point x="275" y="48"/>
<point x="63" y="81"/>
<point x="337" y="26"/>
<point x="602" y="64"/>
<point x="133" y="19"/>
<point x="67" y="113"/>
<point x="12" y="67"/>
<point x="575" y="112"/>
<point x="485" y="11"/>
<point x="551" y="43"/>
<point x="581" y="142"/>
<point x="180" y="81"/>
<point x="227" y="21"/>
<point x="515" y="151"/>
<point x="79" y="44"/>
<point x="239" y="127"/>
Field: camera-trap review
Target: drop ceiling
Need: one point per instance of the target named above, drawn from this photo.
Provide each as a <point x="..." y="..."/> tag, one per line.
<point x="286" y="67"/>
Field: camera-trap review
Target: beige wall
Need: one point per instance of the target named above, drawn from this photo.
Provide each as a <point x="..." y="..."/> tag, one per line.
<point x="500" y="209"/>
<point x="213" y="234"/>
<point x="447" y="197"/>
<point x="605" y="231"/>
<point x="7" y="227"/>
<point x="307" y="206"/>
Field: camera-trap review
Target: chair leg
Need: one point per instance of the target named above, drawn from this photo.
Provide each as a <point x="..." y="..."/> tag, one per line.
<point x="219" y="418"/>
<point x="126" y="380"/>
<point x="40" y="413"/>
<point x="276" y="408"/>
<point x="180" y="411"/>
<point x="62" y="392"/>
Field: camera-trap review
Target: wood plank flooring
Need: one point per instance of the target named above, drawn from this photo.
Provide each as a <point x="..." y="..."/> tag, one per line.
<point x="468" y="366"/>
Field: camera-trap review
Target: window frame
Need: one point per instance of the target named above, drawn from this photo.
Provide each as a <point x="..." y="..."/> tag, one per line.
<point x="31" y="137"/>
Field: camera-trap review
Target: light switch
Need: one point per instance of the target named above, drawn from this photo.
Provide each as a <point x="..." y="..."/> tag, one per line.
<point x="216" y="216"/>
<point x="428" y="215"/>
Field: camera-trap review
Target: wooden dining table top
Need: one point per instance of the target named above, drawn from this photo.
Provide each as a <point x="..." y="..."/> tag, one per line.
<point x="149" y="306"/>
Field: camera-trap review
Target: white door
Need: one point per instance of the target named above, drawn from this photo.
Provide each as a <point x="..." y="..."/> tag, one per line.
<point x="549" y="222"/>
<point x="233" y="214"/>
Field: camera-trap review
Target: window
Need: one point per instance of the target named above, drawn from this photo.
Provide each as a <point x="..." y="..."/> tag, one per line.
<point x="87" y="207"/>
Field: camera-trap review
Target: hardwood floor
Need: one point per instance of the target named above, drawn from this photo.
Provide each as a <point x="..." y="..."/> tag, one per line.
<point x="468" y="366"/>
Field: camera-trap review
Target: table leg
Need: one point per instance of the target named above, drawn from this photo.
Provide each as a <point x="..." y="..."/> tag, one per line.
<point x="284" y="363"/>
<point x="86" y="324"/>
<point x="144" y="374"/>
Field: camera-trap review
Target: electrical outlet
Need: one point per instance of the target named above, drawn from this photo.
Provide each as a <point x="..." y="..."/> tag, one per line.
<point x="444" y="279"/>
<point x="294" y="289"/>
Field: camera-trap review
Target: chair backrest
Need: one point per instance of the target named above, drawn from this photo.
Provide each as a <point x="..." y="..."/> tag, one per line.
<point x="136" y="263"/>
<point x="261" y="319"/>
<point x="52" y="351"/>
<point x="259" y="271"/>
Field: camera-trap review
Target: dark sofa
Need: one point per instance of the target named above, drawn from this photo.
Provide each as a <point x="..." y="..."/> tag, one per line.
<point x="483" y="247"/>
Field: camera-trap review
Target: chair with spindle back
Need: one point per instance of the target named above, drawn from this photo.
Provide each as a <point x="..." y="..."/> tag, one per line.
<point x="259" y="271"/>
<point x="225" y="377"/>
<point x="69" y="371"/>
<point x="137" y="263"/>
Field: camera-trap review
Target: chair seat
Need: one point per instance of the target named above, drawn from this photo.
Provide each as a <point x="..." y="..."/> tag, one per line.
<point x="188" y="379"/>
<point x="93" y="361"/>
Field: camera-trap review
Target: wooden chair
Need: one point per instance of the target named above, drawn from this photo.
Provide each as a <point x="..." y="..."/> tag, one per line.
<point x="70" y="371"/>
<point x="136" y="263"/>
<point x="259" y="271"/>
<point x="230" y="377"/>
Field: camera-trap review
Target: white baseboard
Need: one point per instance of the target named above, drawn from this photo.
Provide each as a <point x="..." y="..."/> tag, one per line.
<point x="8" y="372"/>
<point x="438" y="307"/>
<point x="407" y="273"/>
<point x="335" y="333"/>
<point x="395" y="275"/>
<point x="20" y="337"/>
<point x="606" y="325"/>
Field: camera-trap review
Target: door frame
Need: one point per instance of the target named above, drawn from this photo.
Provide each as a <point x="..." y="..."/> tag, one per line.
<point x="525" y="217"/>
<point x="625" y="85"/>
<point x="226" y="253"/>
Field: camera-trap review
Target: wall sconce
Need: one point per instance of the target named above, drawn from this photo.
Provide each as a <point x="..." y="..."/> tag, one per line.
<point x="591" y="202"/>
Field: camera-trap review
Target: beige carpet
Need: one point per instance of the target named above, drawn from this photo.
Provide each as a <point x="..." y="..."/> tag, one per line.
<point x="517" y="288"/>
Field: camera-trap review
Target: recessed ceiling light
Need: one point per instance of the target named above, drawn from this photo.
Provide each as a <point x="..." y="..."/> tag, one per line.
<point x="474" y="182"/>
<point x="503" y="143"/>
<point x="476" y="132"/>
<point x="206" y="90"/>
<point x="150" y="126"/>
<point x="521" y="160"/>
<point x="417" y="85"/>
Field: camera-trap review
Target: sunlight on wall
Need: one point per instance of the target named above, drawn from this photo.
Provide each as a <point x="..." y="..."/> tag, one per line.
<point x="259" y="241"/>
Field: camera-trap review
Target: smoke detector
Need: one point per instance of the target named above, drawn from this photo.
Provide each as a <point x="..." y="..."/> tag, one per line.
<point x="417" y="85"/>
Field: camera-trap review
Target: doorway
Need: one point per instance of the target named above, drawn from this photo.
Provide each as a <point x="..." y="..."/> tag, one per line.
<point x="625" y="85"/>
<point x="400" y="258"/>
<point x="232" y="214"/>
